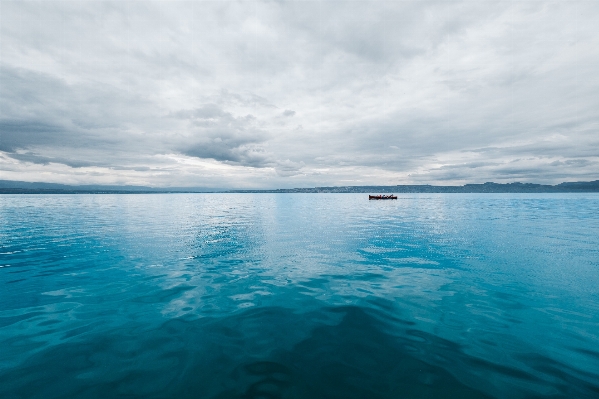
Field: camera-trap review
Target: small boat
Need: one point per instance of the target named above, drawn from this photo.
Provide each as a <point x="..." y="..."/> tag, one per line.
<point x="381" y="197"/>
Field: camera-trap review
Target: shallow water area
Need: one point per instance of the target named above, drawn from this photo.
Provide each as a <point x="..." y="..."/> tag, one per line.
<point x="299" y="296"/>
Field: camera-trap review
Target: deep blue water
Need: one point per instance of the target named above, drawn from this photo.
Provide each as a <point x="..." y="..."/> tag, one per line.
<point x="299" y="296"/>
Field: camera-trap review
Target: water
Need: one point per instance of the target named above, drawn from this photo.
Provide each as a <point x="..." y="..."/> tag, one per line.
<point x="299" y="296"/>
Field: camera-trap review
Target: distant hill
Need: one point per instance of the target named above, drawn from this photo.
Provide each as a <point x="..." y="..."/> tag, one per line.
<point x="569" y="187"/>
<point x="20" y="187"/>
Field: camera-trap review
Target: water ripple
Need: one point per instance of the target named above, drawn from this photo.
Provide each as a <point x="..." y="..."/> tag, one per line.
<point x="288" y="296"/>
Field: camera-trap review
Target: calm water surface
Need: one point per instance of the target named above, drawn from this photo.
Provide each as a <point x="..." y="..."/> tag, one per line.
<point x="299" y="296"/>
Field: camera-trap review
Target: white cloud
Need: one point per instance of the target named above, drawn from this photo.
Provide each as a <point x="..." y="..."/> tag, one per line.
<point x="280" y="94"/>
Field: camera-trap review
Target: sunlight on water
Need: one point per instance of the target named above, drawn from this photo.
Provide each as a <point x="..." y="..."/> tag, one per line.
<point x="299" y="296"/>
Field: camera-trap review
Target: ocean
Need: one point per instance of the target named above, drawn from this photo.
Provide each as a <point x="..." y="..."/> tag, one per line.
<point x="299" y="296"/>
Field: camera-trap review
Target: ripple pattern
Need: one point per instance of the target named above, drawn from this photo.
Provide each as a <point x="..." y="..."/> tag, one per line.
<point x="299" y="296"/>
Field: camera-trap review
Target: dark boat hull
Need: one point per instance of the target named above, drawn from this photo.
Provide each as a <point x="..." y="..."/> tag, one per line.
<point x="382" y="197"/>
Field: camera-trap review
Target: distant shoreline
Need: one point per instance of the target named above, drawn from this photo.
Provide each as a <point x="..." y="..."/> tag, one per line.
<point x="10" y="187"/>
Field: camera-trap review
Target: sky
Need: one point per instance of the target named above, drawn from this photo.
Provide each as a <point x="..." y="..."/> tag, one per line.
<point x="281" y="94"/>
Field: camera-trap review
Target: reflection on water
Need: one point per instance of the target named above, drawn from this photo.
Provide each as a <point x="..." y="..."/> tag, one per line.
<point x="299" y="296"/>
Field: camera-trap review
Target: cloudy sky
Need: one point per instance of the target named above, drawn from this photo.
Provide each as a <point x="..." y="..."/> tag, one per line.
<point x="273" y="94"/>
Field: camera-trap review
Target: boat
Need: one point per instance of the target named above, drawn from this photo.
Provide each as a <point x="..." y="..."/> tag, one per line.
<point x="381" y="197"/>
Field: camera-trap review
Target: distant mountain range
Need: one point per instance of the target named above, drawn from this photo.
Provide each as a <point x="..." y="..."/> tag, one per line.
<point x="20" y="187"/>
<point x="568" y="187"/>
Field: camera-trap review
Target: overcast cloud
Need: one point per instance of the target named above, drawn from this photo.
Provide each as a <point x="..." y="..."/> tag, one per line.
<point x="275" y="94"/>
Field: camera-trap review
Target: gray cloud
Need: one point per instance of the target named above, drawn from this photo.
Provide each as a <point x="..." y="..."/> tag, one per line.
<point x="289" y="168"/>
<point x="231" y="149"/>
<point x="219" y="135"/>
<point x="33" y="158"/>
<point x="21" y="134"/>
<point x="278" y="94"/>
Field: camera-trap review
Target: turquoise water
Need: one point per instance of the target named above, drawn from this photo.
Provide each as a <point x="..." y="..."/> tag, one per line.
<point x="299" y="296"/>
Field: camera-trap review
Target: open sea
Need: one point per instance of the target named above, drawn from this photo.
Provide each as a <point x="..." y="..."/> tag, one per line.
<point x="299" y="296"/>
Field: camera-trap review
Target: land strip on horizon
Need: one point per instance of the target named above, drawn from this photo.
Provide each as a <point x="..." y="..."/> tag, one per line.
<point x="18" y="187"/>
